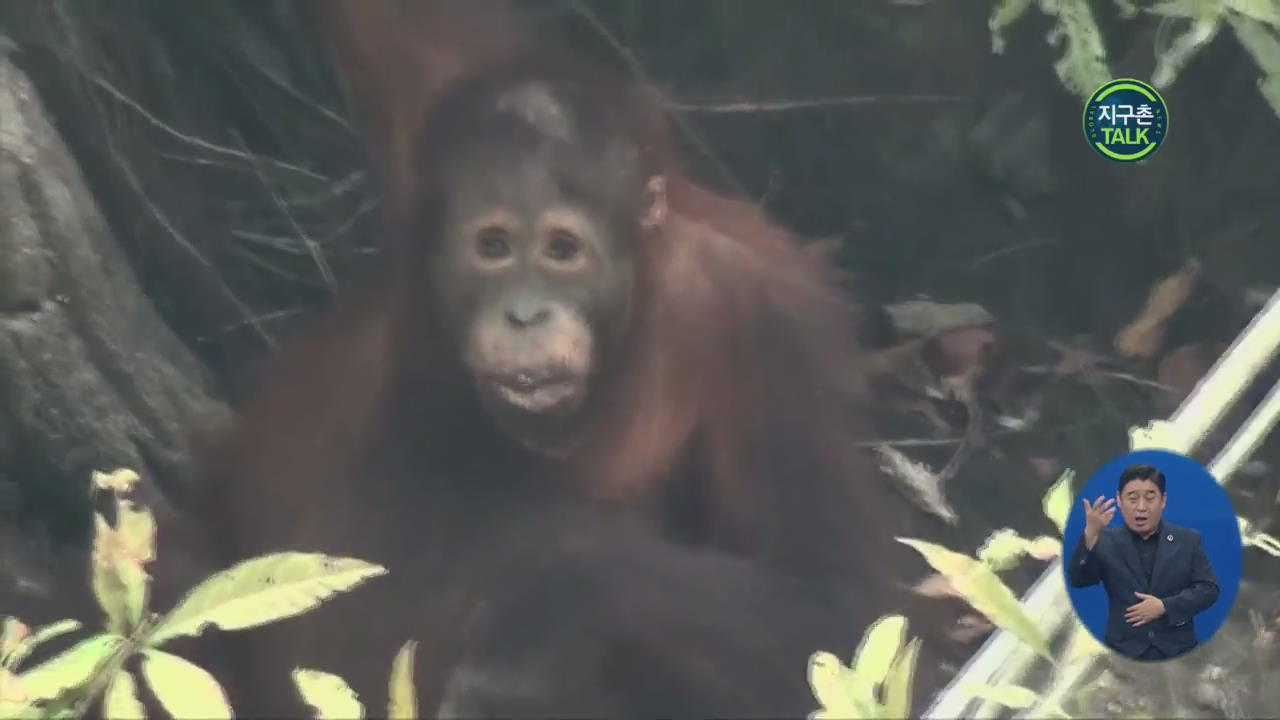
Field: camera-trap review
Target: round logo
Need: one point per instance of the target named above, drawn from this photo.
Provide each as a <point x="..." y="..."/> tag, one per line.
<point x="1126" y="120"/>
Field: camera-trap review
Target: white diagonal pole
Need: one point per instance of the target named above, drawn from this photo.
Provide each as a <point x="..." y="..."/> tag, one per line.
<point x="1004" y="658"/>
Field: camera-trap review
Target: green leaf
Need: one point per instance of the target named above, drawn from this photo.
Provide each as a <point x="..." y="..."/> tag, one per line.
<point x="1005" y="13"/>
<point x="1264" y="47"/>
<point x="985" y="591"/>
<point x="184" y="689"/>
<point x="121" y="700"/>
<point x="897" y="686"/>
<point x="1270" y="89"/>
<point x="262" y="590"/>
<point x="1057" y="501"/>
<point x="1127" y="8"/>
<point x="70" y="669"/>
<point x="1180" y="9"/>
<point x="1011" y="696"/>
<point x="1083" y="66"/>
<point x="328" y="694"/>
<point x="1199" y="34"/>
<point x="1263" y="11"/>
<point x="403" y="702"/>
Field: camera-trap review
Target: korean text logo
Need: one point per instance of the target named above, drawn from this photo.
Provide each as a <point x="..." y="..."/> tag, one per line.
<point x="1126" y="120"/>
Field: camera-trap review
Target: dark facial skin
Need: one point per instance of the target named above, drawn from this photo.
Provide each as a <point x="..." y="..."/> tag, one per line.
<point x="534" y="282"/>
<point x="1141" y="503"/>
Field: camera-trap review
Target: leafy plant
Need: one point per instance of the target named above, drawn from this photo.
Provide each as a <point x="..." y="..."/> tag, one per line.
<point x="253" y="593"/>
<point x="976" y="579"/>
<point x="1083" y="65"/>
<point x="877" y="683"/>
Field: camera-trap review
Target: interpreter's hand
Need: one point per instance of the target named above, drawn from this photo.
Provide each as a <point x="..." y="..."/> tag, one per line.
<point x="1150" y="608"/>
<point x="1097" y="515"/>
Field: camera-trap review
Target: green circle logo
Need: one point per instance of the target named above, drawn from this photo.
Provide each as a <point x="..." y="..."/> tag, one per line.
<point x="1126" y="120"/>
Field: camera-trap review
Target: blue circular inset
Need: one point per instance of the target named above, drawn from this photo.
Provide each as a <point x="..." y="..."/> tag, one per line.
<point x="1194" y="501"/>
<point x="1126" y="120"/>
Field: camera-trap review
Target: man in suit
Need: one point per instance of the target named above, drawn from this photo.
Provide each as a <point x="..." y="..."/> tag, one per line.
<point x="1156" y="574"/>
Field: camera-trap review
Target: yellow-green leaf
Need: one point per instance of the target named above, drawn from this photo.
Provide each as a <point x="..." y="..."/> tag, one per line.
<point x="1057" y="501"/>
<point x="137" y="528"/>
<point x="28" y="644"/>
<point x="137" y="587"/>
<point x="184" y="689"/>
<point x="71" y="668"/>
<point x="879" y="647"/>
<point x="1081" y="644"/>
<point x="1053" y="710"/>
<point x="122" y="587"/>
<point x="13" y="634"/>
<point x="121" y="553"/>
<point x="117" y="481"/>
<point x="985" y="591"/>
<point x="329" y="695"/>
<point x="262" y="590"/>
<point x="11" y="687"/>
<point x="403" y="702"/>
<point x="1011" y="696"/>
<point x="897" y="686"/>
<point x="836" y="695"/>
<point x="108" y="587"/>
<point x="10" y="710"/>
<point x="121" y="700"/>
<point x="1044" y="547"/>
<point x="1002" y="549"/>
<point x="1157" y="435"/>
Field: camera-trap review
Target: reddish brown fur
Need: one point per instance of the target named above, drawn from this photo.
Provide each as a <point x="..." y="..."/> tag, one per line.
<point x="701" y="377"/>
<point x="397" y="56"/>
<point x="740" y="396"/>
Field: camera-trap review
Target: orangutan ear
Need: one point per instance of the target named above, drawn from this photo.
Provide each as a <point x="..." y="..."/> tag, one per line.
<point x="656" y="209"/>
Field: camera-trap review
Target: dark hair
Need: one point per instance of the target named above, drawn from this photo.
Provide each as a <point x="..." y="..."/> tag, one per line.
<point x="1142" y="472"/>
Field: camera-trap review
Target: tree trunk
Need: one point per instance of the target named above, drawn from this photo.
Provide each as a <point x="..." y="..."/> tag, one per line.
<point x="90" y="377"/>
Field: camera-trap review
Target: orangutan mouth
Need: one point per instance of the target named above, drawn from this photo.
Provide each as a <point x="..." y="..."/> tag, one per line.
<point x="538" y="392"/>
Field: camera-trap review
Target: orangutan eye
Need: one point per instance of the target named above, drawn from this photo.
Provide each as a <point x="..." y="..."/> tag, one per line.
<point x="563" y="247"/>
<point x="493" y="243"/>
